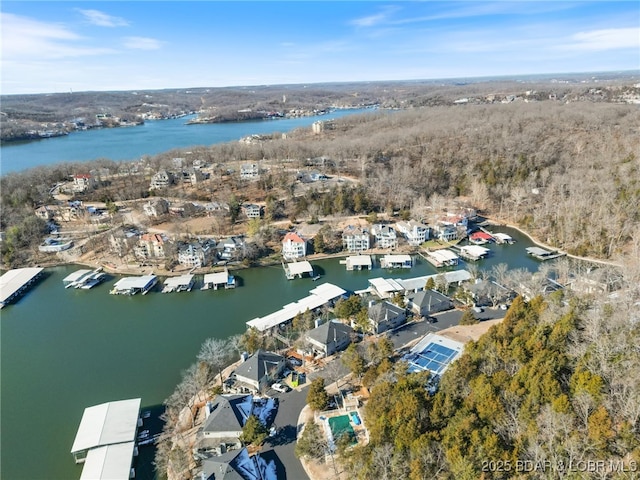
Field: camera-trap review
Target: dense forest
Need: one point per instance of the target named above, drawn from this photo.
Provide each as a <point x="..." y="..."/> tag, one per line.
<point x="551" y="392"/>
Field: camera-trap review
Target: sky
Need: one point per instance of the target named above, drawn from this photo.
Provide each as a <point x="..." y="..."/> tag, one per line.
<point x="62" y="46"/>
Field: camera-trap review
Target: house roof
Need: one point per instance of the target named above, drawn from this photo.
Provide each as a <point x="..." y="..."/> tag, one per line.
<point x="232" y="465"/>
<point x="384" y="311"/>
<point x="355" y="230"/>
<point x="481" y="236"/>
<point x="425" y="298"/>
<point x="106" y="424"/>
<point x="258" y="365"/>
<point x="293" y="237"/>
<point x="152" y="237"/>
<point x="228" y="413"/>
<point x="330" y="332"/>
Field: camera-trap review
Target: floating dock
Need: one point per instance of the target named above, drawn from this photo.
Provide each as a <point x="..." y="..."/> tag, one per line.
<point x="15" y="282"/>
<point x="442" y="258"/>
<point x="474" y="252"/>
<point x="542" y="254"/>
<point x="297" y="269"/>
<point x="358" y="262"/>
<point x="217" y="280"/>
<point x="134" y="285"/>
<point x="84" y="278"/>
<point x="396" y="261"/>
<point x="502" y="238"/>
<point x="182" y="283"/>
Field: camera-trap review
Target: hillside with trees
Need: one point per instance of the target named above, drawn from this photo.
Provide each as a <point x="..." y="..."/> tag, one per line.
<point x="551" y="392"/>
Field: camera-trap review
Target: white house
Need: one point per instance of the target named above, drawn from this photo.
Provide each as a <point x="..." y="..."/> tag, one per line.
<point x="416" y="233"/>
<point x="150" y="245"/>
<point x="83" y="182"/>
<point x="385" y="236"/>
<point x="156" y="207"/>
<point x="197" y="254"/>
<point x="249" y="171"/>
<point x="162" y="179"/>
<point x="356" y="239"/>
<point x="293" y="246"/>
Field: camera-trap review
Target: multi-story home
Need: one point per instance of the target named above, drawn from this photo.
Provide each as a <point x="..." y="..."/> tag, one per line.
<point x="293" y="246"/>
<point x="197" y="254"/>
<point x="251" y="210"/>
<point x="249" y="171"/>
<point x="385" y="236"/>
<point x="385" y="316"/>
<point x="416" y="233"/>
<point x="356" y="239"/>
<point x="150" y="246"/>
<point x="162" y="179"/>
<point x="156" y="207"/>
<point x="83" y="182"/>
<point x="231" y="248"/>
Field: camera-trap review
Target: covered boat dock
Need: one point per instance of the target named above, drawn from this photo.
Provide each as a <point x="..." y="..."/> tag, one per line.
<point x="15" y="282"/>
<point x="396" y="261"/>
<point x="134" y="285"/>
<point x="219" y="279"/>
<point x="297" y="269"/>
<point x="474" y="252"/>
<point x="183" y="283"/>
<point x="442" y="258"/>
<point x="359" y="262"/>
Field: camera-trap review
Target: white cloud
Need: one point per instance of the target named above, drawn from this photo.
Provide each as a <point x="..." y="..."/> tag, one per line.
<point x="25" y="38"/>
<point x="374" y="20"/>
<point x="101" y="19"/>
<point x="605" y="39"/>
<point x="142" y="43"/>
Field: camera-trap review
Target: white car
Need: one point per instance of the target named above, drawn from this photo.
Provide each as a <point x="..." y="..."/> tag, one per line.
<point x="279" y="387"/>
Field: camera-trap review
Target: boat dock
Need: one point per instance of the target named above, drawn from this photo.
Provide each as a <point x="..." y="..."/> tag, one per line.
<point x="396" y="261"/>
<point x="474" y="252"/>
<point x="217" y="280"/>
<point x="441" y="258"/>
<point x="15" y="282"/>
<point x="182" y="283"/>
<point x="84" y="278"/>
<point x="542" y="254"/>
<point x="358" y="262"/>
<point x="297" y="269"/>
<point x="134" y="285"/>
<point x="502" y="238"/>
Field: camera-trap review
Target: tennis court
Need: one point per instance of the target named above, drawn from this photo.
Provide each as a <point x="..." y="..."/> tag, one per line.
<point x="433" y="357"/>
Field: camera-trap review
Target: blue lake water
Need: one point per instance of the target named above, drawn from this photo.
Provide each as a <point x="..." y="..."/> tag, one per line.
<point x="155" y="136"/>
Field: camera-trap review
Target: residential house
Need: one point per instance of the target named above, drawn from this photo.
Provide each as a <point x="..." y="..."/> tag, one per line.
<point x="192" y="176"/>
<point x="356" y="239"/>
<point x="231" y="248"/>
<point x="233" y="465"/>
<point x="329" y="338"/>
<point x="44" y="212"/>
<point x="156" y="207"/>
<point x="226" y="416"/>
<point x="416" y="233"/>
<point x="385" y="316"/>
<point x="446" y="231"/>
<point x="150" y="246"/>
<point x="198" y="254"/>
<point x="83" y="182"/>
<point x="215" y="208"/>
<point x="293" y="246"/>
<point x="162" y="179"/>
<point x="428" y="302"/>
<point x="260" y="370"/>
<point x="385" y="236"/>
<point x="251" y="210"/>
<point x="184" y="209"/>
<point x="249" y="171"/>
<point x="123" y="241"/>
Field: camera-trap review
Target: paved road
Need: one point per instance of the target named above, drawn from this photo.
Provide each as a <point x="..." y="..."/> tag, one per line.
<point x="283" y="444"/>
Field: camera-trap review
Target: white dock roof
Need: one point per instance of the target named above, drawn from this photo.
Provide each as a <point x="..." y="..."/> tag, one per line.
<point x="179" y="281"/>
<point x="318" y="296"/>
<point x="111" y="462"/>
<point x="397" y="258"/>
<point x="133" y="282"/>
<point x="385" y="285"/>
<point x="77" y="275"/>
<point x="537" y="251"/>
<point x="475" y="250"/>
<point x="298" y="268"/>
<point x="361" y="260"/>
<point x="444" y="255"/>
<point x="502" y="236"/>
<point x="14" y="280"/>
<point x="106" y="424"/>
<point x="216" y="278"/>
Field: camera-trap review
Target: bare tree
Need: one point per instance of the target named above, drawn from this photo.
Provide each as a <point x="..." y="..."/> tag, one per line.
<point x="215" y="353"/>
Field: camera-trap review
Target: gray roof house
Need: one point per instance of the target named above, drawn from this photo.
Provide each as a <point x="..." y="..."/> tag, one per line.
<point x="259" y="370"/>
<point x="232" y="465"/>
<point x="330" y="337"/>
<point x="385" y="316"/>
<point x="427" y="302"/>
<point x="227" y="414"/>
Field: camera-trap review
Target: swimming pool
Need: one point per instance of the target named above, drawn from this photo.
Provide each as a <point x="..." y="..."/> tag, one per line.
<point x="342" y="426"/>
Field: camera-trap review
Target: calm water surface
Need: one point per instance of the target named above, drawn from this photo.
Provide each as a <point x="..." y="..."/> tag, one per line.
<point x="63" y="350"/>
<point x="155" y="136"/>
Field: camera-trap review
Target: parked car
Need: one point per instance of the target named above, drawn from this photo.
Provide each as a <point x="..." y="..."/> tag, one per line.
<point x="296" y="362"/>
<point x="478" y="309"/>
<point x="279" y="387"/>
